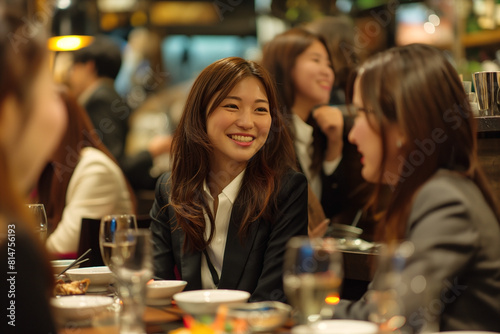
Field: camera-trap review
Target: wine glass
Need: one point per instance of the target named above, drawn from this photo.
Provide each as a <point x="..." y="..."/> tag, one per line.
<point x="38" y="211"/>
<point x="312" y="275"/>
<point x="132" y="264"/>
<point x="390" y="284"/>
<point x="110" y="225"/>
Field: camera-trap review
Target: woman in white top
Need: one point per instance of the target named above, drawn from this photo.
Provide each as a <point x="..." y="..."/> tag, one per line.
<point x="81" y="181"/>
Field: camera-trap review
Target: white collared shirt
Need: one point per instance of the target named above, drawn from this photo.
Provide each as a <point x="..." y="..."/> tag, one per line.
<point x="216" y="248"/>
<point x="304" y="149"/>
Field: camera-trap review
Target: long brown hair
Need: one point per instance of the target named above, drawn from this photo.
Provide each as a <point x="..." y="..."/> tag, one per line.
<point x="278" y="57"/>
<point x="191" y="150"/>
<point x="21" y="58"/>
<point x="53" y="183"/>
<point x="338" y="32"/>
<point x="418" y="89"/>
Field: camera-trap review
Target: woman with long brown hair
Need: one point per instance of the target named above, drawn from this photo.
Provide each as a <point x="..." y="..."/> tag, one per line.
<point x="300" y="62"/>
<point x="232" y="201"/>
<point x="82" y="180"/>
<point x="416" y="133"/>
<point x="32" y="120"/>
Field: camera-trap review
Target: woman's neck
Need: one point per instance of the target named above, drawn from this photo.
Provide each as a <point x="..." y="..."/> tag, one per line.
<point x="219" y="178"/>
<point x="302" y="108"/>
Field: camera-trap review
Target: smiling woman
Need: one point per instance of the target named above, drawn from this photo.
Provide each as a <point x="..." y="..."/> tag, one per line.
<point x="225" y="224"/>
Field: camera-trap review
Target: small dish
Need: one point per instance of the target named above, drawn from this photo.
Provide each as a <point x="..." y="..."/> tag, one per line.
<point x="80" y="307"/>
<point x="160" y="292"/>
<point x="261" y="316"/>
<point x="201" y="302"/>
<point x="100" y="277"/>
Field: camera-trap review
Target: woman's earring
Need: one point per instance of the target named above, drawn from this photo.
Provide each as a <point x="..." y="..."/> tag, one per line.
<point x="399" y="143"/>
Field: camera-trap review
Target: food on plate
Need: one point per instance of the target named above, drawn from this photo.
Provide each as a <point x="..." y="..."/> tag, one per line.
<point x="72" y="288"/>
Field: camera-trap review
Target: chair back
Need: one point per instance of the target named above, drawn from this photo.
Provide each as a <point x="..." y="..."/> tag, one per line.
<point x="89" y="238"/>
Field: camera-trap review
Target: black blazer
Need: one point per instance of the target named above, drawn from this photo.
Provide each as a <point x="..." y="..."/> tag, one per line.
<point x="254" y="266"/>
<point x="109" y="114"/>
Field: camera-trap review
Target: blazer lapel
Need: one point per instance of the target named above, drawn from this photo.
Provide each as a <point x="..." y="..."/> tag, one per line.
<point x="235" y="253"/>
<point x="190" y="262"/>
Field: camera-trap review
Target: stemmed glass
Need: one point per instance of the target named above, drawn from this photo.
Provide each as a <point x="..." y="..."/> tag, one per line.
<point x="110" y="225"/>
<point x="38" y="211"/>
<point x="312" y="275"/>
<point x="132" y="265"/>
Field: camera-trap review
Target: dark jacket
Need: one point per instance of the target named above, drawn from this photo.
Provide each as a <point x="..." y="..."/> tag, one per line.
<point x="254" y="266"/>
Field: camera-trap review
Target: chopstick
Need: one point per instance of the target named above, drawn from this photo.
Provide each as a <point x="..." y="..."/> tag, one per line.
<point x="74" y="263"/>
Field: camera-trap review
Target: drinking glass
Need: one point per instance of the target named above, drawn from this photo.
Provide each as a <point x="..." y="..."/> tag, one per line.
<point x="110" y="225"/>
<point x="132" y="265"/>
<point x="312" y="275"/>
<point x="38" y="211"/>
<point x="390" y="284"/>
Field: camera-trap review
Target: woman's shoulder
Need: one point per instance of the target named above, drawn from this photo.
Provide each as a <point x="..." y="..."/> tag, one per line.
<point x="447" y="185"/>
<point x="90" y="156"/>
<point x="292" y="178"/>
<point x="451" y="189"/>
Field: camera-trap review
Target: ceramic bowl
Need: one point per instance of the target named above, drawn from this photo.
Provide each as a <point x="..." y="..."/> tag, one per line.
<point x="80" y="307"/>
<point x="60" y="265"/>
<point x="100" y="277"/>
<point x="200" y="302"/>
<point x="160" y="292"/>
<point x="261" y="316"/>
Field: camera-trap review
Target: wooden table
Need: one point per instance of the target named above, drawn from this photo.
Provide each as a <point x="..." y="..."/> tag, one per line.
<point x="159" y="319"/>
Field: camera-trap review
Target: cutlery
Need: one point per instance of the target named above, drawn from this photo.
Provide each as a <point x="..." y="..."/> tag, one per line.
<point x="74" y="263"/>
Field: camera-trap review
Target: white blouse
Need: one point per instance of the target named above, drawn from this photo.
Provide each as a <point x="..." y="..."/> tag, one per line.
<point x="217" y="247"/>
<point x="304" y="149"/>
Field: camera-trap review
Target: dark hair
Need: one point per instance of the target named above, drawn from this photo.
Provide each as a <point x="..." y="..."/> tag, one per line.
<point x="21" y="57"/>
<point x="54" y="181"/>
<point x="338" y="32"/>
<point x="419" y="89"/>
<point x="104" y="53"/>
<point x="191" y="150"/>
<point x="278" y="57"/>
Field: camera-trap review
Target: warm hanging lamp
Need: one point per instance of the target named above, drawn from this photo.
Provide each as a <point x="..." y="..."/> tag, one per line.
<point x="74" y="24"/>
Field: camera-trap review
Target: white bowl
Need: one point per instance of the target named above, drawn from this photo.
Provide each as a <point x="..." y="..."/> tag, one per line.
<point x="100" y="277"/>
<point x="338" y="327"/>
<point x="60" y="265"/>
<point x="198" y="302"/>
<point x="161" y="292"/>
<point x="80" y="307"/>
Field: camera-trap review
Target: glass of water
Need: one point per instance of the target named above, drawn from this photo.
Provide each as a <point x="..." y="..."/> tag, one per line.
<point x="38" y="211"/>
<point x="312" y="276"/>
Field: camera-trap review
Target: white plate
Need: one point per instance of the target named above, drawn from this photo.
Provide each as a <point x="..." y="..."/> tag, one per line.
<point x="60" y="265"/>
<point x="80" y="307"/>
<point x="198" y="302"/>
<point x="164" y="289"/>
<point x="338" y="327"/>
<point x="100" y="277"/>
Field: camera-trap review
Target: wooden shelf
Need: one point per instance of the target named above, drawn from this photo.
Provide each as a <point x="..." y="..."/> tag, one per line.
<point x="481" y="38"/>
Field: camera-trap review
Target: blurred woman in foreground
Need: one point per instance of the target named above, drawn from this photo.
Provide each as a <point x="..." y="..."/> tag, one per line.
<point x="32" y="120"/>
<point x="416" y="133"/>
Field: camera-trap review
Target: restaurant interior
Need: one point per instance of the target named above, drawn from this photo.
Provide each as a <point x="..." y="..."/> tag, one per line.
<point x="180" y="38"/>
